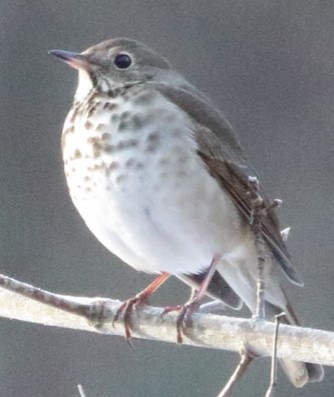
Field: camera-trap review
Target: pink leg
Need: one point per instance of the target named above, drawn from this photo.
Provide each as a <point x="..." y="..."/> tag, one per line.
<point x="184" y="317"/>
<point x="126" y="307"/>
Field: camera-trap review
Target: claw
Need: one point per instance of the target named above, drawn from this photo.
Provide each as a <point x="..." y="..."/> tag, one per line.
<point x="125" y="309"/>
<point x="183" y="320"/>
<point x="169" y="309"/>
<point x="127" y="306"/>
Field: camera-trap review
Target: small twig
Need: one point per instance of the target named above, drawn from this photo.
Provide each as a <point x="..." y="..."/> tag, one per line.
<point x="81" y="391"/>
<point x="285" y="234"/>
<point x="260" y="313"/>
<point x="273" y="369"/>
<point x="245" y="360"/>
<point x="257" y="215"/>
<point x="260" y="210"/>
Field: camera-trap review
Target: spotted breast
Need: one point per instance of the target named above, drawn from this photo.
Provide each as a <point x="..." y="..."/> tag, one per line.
<point x="130" y="169"/>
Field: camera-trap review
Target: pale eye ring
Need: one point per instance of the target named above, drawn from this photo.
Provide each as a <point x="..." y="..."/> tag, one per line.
<point x="122" y="61"/>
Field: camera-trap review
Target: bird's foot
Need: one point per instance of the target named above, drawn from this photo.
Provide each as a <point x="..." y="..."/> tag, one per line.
<point x="168" y="309"/>
<point x="125" y="310"/>
<point x="183" y="320"/>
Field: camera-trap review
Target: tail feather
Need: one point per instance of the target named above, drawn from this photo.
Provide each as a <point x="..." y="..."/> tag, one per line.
<point x="300" y="373"/>
<point x="315" y="372"/>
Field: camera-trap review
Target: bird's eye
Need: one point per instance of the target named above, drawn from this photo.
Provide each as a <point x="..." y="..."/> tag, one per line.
<point x="122" y="61"/>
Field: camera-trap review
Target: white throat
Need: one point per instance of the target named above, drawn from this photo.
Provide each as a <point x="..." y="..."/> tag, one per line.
<point x="84" y="86"/>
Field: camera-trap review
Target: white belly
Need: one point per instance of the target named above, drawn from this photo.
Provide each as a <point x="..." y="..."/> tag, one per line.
<point x="145" y="193"/>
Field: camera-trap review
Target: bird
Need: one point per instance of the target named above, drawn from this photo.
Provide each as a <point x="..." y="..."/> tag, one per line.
<point x="159" y="177"/>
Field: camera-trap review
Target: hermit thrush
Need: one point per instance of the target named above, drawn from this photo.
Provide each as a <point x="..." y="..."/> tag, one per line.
<point x="160" y="179"/>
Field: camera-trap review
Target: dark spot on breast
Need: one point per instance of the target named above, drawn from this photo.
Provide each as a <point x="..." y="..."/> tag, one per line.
<point x="97" y="147"/>
<point x="127" y="143"/>
<point x="73" y="115"/>
<point x="100" y="166"/>
<point x="69" y="130"/>
<point x="114" y="92"/>
<point x="91" y="110"/>
<point x="152" y="141"/>
<point x="137" y="122"/>
<point x="144" y="99"/>
<point x="113" y="166"/>
<point x="125" y="115"/>
<point x="109" y="106"/>
<point x="122" y="126"/>
<point x="140" y="120"/>
<point x="106" y="136"/>
<point x="109" y="148"/>
<point x="77" y="154"/>
<point x="93" y="139"/>
<point x="101" y="127"/>
<point x="114" y="118"/>
<point x="121" y="145"/>
<point x="130" y="163"/>
<point x="120" y="178"/>
<point x="153" y="137"/>
<point x="88" y="125"/>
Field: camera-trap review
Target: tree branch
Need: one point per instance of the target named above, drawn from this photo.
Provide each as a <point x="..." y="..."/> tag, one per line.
<point x="21" y="301"/>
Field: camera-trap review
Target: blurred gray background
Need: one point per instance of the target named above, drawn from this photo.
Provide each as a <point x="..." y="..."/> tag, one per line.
<point x="269" y="65"/>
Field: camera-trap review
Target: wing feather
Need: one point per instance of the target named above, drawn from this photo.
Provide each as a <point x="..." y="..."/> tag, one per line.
<point x="221" y="152"/>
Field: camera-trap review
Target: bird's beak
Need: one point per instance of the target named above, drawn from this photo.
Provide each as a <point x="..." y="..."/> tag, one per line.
<point x="74" y="59"/>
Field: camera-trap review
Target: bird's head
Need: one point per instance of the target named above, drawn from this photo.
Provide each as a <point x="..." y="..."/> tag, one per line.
<point x="116" y="62"/>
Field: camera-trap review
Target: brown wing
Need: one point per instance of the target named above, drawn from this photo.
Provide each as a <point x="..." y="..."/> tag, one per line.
<point x="222" y="154"/>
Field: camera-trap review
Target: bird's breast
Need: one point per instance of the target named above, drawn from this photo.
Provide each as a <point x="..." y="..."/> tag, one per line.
<point x="135" y="177"/>
<point x="108" y="140"/>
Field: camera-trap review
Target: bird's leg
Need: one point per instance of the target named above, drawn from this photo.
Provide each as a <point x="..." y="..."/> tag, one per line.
<point x="126" y="307"/>
<point x="184" y="317"/>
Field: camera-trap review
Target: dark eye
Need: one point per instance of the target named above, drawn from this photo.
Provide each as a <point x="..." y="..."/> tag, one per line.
<point x="122" y="61"/>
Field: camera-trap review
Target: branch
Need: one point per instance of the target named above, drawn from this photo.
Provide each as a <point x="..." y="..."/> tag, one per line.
<point x="23" y="302"/>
